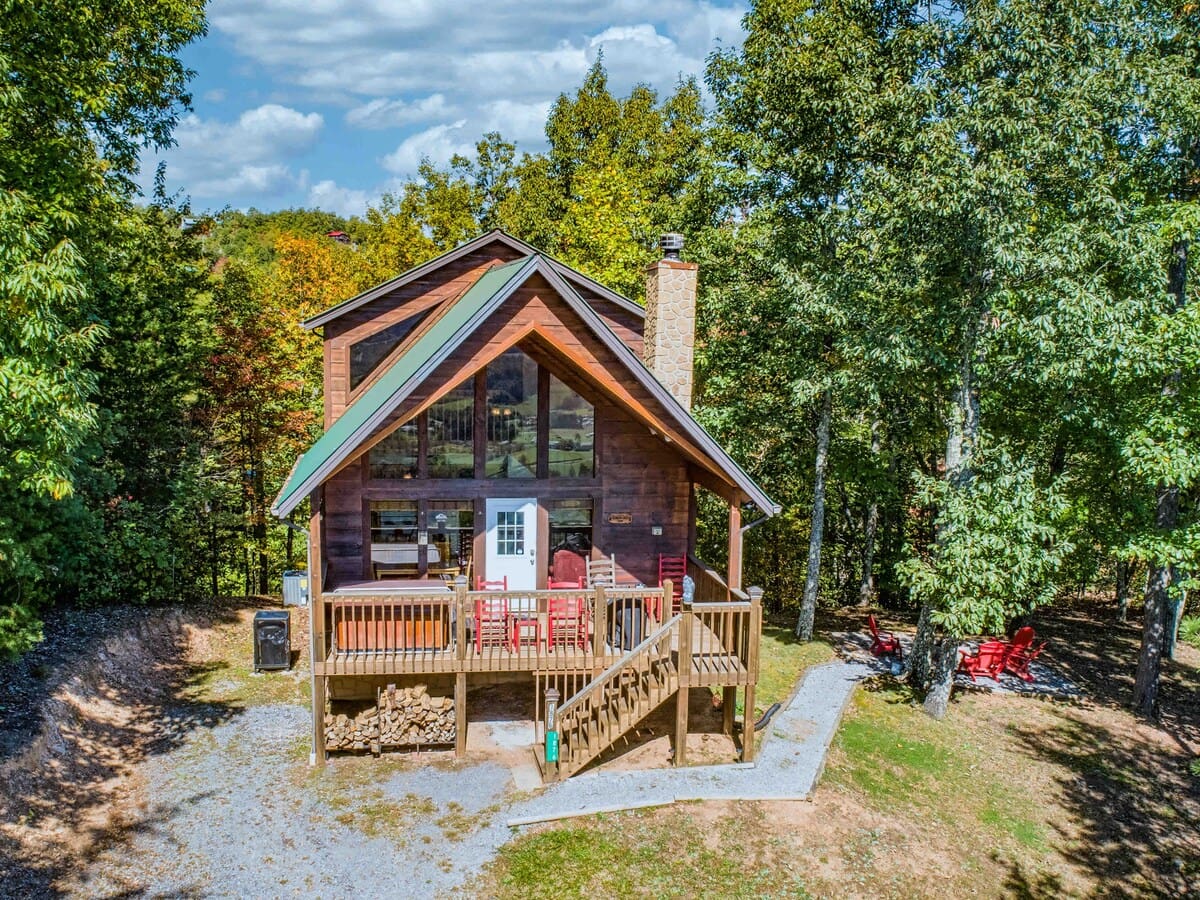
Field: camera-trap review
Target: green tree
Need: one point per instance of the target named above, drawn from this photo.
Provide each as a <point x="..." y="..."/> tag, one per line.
<point x="84" y="88"/>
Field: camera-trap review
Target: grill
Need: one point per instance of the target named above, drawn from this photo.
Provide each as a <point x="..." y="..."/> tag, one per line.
<point x="272" y="640"/>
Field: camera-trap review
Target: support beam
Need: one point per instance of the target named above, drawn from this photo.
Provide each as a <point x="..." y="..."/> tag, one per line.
<point x="749" y="717"/>
<point x="460" y="715"/>
<point x="735" y="546"/>
<point x="681" y="724"/>
<point x="318" y="643"/>
<point x="318" y="720"/>
<point x="728" y="709"/>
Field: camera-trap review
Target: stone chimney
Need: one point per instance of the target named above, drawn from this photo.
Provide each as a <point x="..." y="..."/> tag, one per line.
<point x="670" y="334"/>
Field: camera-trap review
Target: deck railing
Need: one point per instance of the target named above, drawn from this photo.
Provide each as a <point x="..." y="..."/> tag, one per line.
<point x="494" y="631"/>
<point x="710" y="586"/>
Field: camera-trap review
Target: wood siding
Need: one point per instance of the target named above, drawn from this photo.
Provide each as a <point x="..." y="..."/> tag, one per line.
<point x="639" y="473"/>
<point x="426" y="294"/>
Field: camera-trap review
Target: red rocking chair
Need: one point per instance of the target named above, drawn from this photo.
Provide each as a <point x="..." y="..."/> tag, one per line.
<point x="988" y="660"/>
<point x="883" y="642"/>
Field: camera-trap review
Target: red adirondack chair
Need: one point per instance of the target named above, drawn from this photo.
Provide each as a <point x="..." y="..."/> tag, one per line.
<point x="988" y="660"/>
<point x="568" y="584"/>
<point x="1023" y="638"/>
<point x="883" y="642"/>
<point x="1018" y="660"/>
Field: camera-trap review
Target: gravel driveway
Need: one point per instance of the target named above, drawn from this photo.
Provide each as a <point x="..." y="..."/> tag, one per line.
<point x="235" y="811"/>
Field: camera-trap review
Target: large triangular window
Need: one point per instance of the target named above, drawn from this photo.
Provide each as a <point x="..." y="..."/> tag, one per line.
<point x="371" y="351"/>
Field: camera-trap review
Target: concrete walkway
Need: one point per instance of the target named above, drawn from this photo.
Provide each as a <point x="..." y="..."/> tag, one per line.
<point x="787" y="768"/>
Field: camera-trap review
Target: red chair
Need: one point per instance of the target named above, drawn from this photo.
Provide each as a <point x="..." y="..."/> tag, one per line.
<point x="568" y="622"/>
<point x="988" y="660"/>
<point x="491" y="623"/>
<point x="553" y="585"/>
<point x="674" y="568"/>
<point x="880" y="644"/>
<point x="1018" y="660"/>
<point x="500" y="584"/>
<point x="1022" y="639"/>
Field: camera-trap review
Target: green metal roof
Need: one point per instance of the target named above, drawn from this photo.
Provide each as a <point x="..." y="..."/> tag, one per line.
<point x="367" y="412"/>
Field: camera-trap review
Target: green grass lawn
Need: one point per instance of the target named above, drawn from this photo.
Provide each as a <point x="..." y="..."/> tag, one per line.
<point x="1006" y="797"/>
<point x="669" y="853"/>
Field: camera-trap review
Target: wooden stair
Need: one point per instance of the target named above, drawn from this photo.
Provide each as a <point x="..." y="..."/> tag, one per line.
<point x="615" y="701"/>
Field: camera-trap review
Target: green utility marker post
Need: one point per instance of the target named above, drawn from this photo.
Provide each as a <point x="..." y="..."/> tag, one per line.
<point x="551" y="727"/>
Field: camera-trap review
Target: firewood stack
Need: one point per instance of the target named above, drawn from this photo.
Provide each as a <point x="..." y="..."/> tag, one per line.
<point x="359" y="732"/>
<point x="400" y="717"/>
<point x="410" y="716"/>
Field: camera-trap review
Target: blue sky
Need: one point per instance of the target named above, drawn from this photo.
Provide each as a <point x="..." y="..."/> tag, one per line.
<point x="329" y="103"/>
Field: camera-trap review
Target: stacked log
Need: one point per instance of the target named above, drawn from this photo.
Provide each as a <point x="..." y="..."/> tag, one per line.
<point x="358" y="732"/>
<point x="410" y="715"/>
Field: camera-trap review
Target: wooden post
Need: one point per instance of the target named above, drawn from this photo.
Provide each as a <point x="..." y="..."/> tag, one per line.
<point x="316" y="624"/>
<point x="666" y="601"/>
<point x="728" y="708"/>
<point x="681" y="723"/>
<point x="735" y="546"/>
<point x="460" y="612"/>
<point x="601" y="616"/>
<point x="685" y="678"/>
<point x="749" y="716"/>
<point x="460" y="714"/>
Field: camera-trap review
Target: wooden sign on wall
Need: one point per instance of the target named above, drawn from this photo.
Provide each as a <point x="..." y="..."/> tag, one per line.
<point x="620" y="518"/>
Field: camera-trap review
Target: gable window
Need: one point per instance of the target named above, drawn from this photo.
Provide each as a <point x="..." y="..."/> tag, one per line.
<point x="512" y="416"/>
<point x="396" y="455"/>
<point x="572" y="433"/>
<point x="370" y="351"/>
<point x="451" y="424"/>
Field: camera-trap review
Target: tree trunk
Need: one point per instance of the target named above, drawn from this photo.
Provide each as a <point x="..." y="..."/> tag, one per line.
<point x="962" y="436"/>
<point x="1124" y="575"/>
<point x="1174" y="614"/>
<point x="866" y="587"/>
<point x="1166" y="516"/>
<point x="920" y="656"/>
<point x="945" y="661"/>
<point x="812" y="580"/>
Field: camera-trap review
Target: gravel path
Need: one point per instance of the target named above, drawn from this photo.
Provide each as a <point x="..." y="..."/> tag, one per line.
<point x="234" y="812"/>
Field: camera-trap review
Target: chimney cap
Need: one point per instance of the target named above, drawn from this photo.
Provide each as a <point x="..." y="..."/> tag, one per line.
<point x="671" y="243"/>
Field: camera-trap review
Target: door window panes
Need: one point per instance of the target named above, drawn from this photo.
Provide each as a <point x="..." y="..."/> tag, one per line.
<point x="512" y="412"/>
<point x="396" y="455"/>
<point x="451" y="423"/>
<point x="572" y="433"/>
<point x="370" y="351"/>
<point x="510" y="533"/>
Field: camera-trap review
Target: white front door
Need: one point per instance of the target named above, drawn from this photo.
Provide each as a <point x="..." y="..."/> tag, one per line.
<point x="512" y="542"/>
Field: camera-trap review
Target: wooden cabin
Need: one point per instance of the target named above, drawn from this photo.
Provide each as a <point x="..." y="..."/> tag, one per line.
<point x="507" y="489"/>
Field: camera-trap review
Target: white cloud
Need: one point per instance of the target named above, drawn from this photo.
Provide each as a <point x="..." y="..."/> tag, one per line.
<point x="217" y="95"/>
<point x="519" y="50"/>
<point x="384" y="113"/>
<point x="331" y="196"/>
<point x="428" y="76"/>
<point x="214" y="159"/>
<point x="438" y="143"/>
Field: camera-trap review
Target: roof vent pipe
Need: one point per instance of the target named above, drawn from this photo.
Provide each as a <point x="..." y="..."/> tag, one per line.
<point x="671" y="243"/>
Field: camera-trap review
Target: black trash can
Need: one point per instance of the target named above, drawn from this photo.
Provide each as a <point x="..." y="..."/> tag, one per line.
<point x="272" y="640"/>
<point x="626" y="623"/>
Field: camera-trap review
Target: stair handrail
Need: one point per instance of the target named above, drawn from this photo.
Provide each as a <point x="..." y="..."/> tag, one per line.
<point x="609" y="673"/>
